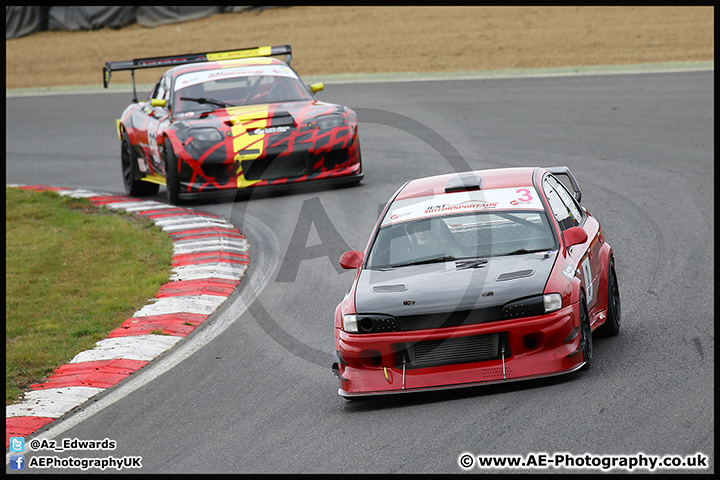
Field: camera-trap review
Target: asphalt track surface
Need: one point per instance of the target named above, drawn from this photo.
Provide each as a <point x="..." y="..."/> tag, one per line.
<point x="252" y="391"/>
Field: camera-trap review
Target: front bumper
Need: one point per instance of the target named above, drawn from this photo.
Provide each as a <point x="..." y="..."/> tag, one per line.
<point x="533" y="347"/>
<point x="338" y="166"/>
<point x="354" y="176"/>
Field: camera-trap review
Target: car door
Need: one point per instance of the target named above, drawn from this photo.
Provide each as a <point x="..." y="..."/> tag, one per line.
<point x="569" y="213"/>
<point x="155" y="112"/>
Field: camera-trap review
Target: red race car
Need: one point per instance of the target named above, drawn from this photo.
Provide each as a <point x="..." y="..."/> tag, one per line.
<point x="232" y="120"/>
<point x="476" y="278"/>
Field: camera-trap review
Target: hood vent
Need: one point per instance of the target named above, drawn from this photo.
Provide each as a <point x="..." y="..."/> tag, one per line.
<point x="389" y="288"/>
<point x="277" y="118"/>
<point x="514" y="275"/>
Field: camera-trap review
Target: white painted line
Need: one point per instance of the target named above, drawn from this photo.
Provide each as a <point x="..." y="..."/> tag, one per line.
<point x="339" y="79"/>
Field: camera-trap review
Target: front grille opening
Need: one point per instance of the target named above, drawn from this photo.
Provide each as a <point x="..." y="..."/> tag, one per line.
<point x="219" y="172"/>
<point x="320" y="162"/>
<point x="272" y="167"/>
<point x="452" y="319"/>
<point x="450" y="351"/>
<point x="335" y="158"/>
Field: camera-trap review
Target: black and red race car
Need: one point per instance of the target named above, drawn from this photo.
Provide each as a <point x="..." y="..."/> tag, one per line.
<point x="484" y="277"/>
<point x="232" y="120"/>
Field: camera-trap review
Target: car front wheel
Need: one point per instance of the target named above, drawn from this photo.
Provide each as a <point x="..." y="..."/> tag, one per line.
<point x="172" y="174"/>
<point x="133" y="185"/>
<point x="611" y="327"/>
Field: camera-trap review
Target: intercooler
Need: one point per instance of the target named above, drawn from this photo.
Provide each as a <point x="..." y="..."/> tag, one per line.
<point x="432" y="353"/>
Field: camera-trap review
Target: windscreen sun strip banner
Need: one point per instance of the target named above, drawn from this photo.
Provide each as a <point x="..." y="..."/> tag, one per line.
<point x="478" y="200"/>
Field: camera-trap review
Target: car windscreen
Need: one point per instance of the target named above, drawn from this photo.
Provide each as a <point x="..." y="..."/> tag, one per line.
<point x="237" y="87"/>
<point x="461" y="236"/>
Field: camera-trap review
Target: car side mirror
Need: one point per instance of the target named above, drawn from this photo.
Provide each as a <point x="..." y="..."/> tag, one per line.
<point x="316" y="87"/>
<point x="351" y="259"/>
<point x="574" y="236"/>
<point x="158" y="102"/>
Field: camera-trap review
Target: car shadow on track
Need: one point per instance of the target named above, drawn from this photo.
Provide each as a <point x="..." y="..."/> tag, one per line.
<point x="249" y="195"/>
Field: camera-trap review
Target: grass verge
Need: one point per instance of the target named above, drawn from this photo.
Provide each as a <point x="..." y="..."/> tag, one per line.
<point x="73" y="273"/>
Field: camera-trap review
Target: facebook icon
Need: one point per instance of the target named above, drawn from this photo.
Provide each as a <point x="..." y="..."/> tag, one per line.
<point x="17" y="462"/>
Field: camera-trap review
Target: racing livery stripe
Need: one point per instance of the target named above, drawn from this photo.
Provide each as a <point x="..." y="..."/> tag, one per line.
<point x="155" y="178"/>
<point x="210" y="257"/>
<point x="246" y="146"/>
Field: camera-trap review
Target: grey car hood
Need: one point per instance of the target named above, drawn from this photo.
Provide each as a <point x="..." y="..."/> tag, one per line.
<point x="444" y="287"/>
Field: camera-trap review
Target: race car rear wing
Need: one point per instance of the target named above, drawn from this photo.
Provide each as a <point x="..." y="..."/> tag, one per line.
<point x="172" y="61"/>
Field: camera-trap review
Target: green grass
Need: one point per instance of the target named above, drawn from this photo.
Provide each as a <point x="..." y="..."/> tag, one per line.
<point x="73" y="273"/>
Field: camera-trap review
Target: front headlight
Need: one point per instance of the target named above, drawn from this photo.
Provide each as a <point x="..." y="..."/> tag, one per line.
<point x="329" y="121"/>
<point x="552" y="302"/>
<point x="532" y="306"/>
<point x="349" y="323"/>
<point x="206" y="134"/>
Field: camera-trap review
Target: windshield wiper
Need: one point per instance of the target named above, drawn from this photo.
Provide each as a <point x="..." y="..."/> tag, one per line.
<point x="425" y="261"/>
<point x="520" y="251"/>
<point x="203" y="101"/>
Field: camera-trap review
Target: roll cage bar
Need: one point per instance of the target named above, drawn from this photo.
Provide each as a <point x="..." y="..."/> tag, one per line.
<point x="175" y="60"/>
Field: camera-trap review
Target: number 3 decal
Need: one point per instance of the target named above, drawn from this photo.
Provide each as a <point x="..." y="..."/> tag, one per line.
<point x="526" y="195"/>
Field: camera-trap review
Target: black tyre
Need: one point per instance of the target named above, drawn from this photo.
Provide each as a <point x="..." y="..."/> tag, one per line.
<point x="586" y="337"/>
<point x="361" y="168"/>
<point x="172" y="174"/>
<point x="611" y="327"/>
<point x="131" y="177"/>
